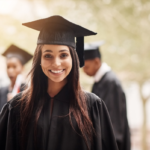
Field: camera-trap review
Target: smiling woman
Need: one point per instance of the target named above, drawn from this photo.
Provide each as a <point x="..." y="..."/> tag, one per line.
<point x="56" y="63"/>
<point x="54" y="112"/>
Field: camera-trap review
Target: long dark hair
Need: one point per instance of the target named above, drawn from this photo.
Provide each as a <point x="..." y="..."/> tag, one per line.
<point x="33" y="98"/>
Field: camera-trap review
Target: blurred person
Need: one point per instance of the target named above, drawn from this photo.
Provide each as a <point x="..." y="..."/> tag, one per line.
<point x="16" y="58"/>
<point x="54" y="112"/>
<point x="107" y="86"/>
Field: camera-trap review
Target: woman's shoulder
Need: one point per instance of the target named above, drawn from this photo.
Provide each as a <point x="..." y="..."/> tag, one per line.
<point x="92" y="98"/>
<point x="14" y="102"/>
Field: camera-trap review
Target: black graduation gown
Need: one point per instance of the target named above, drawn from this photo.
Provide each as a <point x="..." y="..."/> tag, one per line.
<point x="3" y="94"/>
<point x="110" y="90"/>
<point x="56" y="133"/>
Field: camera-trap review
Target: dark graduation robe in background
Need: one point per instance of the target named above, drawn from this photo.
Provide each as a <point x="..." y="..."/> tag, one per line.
<point x="56" y="133"/>
<point x="109" y="89"/>
<point x="3" y="94"/>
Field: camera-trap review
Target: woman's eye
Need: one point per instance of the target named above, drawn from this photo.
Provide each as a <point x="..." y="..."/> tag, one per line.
<point x="64" y="55"/>
<point x="48" y="56"/>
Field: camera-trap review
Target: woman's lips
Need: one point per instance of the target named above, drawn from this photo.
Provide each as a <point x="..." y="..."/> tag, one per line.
<point x="57" y="72"/>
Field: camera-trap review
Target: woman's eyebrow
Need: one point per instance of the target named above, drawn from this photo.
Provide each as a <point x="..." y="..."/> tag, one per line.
<point x="48" y="50"/>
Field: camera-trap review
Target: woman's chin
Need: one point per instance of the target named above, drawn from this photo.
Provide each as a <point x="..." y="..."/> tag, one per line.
<point x="58" y="80"/>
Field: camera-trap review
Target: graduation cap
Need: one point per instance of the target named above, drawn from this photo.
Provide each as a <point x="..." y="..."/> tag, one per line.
<point x="14" y="51"/>
<point x="91" y="50"/>
<point x="59" y="31"/>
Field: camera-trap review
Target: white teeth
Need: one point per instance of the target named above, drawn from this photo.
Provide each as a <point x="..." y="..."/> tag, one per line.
<point x="56" y="71"/>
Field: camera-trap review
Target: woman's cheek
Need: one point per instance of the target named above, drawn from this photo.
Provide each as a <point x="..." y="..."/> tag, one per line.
<point x="44" y="67"/>
<point x="45" y="63"/>
<point x="68" y="63"/>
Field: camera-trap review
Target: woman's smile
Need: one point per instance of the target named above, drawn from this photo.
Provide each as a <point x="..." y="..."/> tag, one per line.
<point x="57" y="72"/>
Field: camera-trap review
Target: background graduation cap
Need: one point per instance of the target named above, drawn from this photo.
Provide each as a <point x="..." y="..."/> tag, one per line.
<point x="59" y="31"/>
<point x="91" y="50"/>
<point x="14" y="51"/>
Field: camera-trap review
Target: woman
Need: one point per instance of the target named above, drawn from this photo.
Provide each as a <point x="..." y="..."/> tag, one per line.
<point x="16" y="58"/>
<point x="54" y="113"/>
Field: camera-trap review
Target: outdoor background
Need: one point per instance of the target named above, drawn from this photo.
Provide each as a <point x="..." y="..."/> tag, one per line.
<point x="124" y="25"/>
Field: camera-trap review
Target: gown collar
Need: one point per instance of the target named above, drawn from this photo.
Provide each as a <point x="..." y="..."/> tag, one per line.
<point x="101" y="72"/>
<point x="63" y="95"/>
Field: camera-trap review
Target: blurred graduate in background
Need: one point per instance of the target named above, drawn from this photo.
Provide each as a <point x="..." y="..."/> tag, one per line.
<point x="16" y="58"/>
<point x="108" y="87"/>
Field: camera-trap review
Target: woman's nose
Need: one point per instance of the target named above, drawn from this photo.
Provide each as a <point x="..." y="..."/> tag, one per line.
<point x="56" y="62"/>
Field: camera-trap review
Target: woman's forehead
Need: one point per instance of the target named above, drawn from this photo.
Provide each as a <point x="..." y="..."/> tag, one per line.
<point x="54" y="48"/>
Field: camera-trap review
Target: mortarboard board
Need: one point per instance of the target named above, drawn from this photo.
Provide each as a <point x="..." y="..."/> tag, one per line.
<point x="57" y="30"/>
<point x="91" y="50"/>
<point x="14" y="51"/>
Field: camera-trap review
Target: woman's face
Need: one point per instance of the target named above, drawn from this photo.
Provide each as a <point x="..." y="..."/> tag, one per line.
<point x="56" y="62"/>
<point x="14" y="68"/>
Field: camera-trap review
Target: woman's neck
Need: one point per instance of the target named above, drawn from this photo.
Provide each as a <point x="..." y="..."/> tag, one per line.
<point x="55" y="87"/>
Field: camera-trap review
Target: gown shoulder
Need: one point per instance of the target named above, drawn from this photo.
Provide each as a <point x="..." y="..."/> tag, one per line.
<point x="100" y="118"/>
<point x="4" y="88"/>
<point x="111" y="78"/>
<point x="9" y="124"/>
<point x="92" y="98"/>
<point x="12" y="104"/>
<point x="3" y="96"/>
